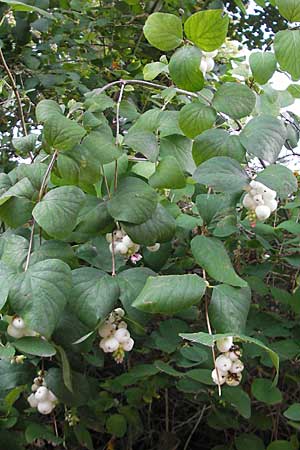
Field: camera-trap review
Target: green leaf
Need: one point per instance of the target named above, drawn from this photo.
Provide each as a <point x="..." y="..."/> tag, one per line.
<point x="131" y="282"/>
<point x="264" y="391"/>
<point x="13" y="375"/>
<point x="294" y="90"/>
<point x="264" y="136"/>
<point x="20" y="6"/>
<point x="279" y="178"/>
<point x="168" y="175"/>
<point x="223" y="174"/>
<point x="201" y="375"/>
<point x="184" y="68"/>
<point x="25" y="144"/>
<point x="207" y="29"/>
<point x="40" y="295"/>
<point x="152" y="70"/>
<point x="103" y="147"/>
<point x="36" y="431"/>
<point x="287" y="49"/>
<point x="169" y="294"/>
<point x="181" y="148"/>
<point x="240" y="4"/>
<point x="62" y="133"/>
<point x="195" y="117"/>
<point x="134" y="201"/>
<point x="15" y="250"/>
<point x="159" y="228"/>
<point x="217" y="142"/>
<point x="163" y="31"/>
<point x="290" y="226"/>
<point x="66" y="369"/>
<point x="116" y="425"/>
<point x="248" y="441"/>
<point x="289" y="9"/>
<point x="263" y="66"/>
<point x="209" y="340"/>
<point x="47" y="108"/>
<point x="57" y="212"/>
<point x="53" y="249"/>
<point x="228" y="308"/>
<point x="94" y="295"/>
<point x="208" y="252"/>
<point x="240" y="400"/>
<point x="234" y="99"/>
<point x="293" y="412"/>
<point x="35" y="346"/>
<point x="166" y="368"/>
<point x="7" y="277"/>
<point x="144" y="142"/>
<point x="280" y="445"/>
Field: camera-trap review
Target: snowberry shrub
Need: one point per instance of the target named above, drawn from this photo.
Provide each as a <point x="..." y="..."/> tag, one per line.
<point x="149" y="251"/>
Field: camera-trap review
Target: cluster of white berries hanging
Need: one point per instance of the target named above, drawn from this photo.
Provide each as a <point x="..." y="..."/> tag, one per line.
<point x="41" y="397"/>
<point x="123" y="245"/>
<point x="115" y="336"/>
<point x="228" y="367"/>
<point x="207" y="63"/>
<point x="260" y="201"/>
<point x="17" y="328"/>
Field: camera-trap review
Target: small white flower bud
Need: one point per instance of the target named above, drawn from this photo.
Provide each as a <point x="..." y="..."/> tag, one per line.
<point x="222" y="376"/>
<point x="128" y="345"/>
<point x="224" y="344"/>
<point x="237" y="367"/>
<point x="122" y="335"/>
<point x="32" y="401"/>
<point x="45" y="407"/>
<point x="223" y="363"/>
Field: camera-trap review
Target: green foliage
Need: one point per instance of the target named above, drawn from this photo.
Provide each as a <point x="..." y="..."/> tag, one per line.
<point x="122" y="213"/>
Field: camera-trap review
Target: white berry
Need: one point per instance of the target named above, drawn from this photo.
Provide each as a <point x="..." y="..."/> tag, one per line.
<point x="122" y="324"/>
<point x="224" y="344"/>
<point x="272" y="204"/>
<point x="35" y="387"/>
<point x="18" y="323"/>
<point x="210" y="64"/>
<point x="119" y="312"/>
<point x="154" y="248"/>
<point x="106" y="330"/>
<point x="233" y="355"/>
<point x="108" y="237"/>
<point x="122" y="335"/>
<point x="258" y="200"/>
<point x="128" y="345"/>
<point x="52" y="397"/>
<point x="203" y="66"/>
<point x="210" y="54"/>
<point x="14" y="332"/>
<point x="121" y="248"/>
<point x="262" y="212"/>
<point x="45" y="407"/>
<point x="42" y="394"/>
<point x="248" y="202"/>
<point x="32" y="401"/>
<point x="110" y="345"/>
<point x="237" y="367"/>
<point x="223" y="363"/>
<point x="127" y="241"/>
<point x="218" y="379"/>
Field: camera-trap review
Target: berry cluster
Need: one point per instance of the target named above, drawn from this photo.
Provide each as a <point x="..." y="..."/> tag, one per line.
<point x="41" y="397"/>
<point x="228" y="366"/>
<point x="123" y="245"/>
<point x="115" y="336"/>
<point x="207" y="61"/>
<point x="260" y="200"/>
<point x="17" y="328"/>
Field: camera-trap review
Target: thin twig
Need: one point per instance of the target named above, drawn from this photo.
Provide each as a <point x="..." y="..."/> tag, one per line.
<point x="41" y="192"/>
<point x="15" y="89"/>
<point x="195" y="428"/>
